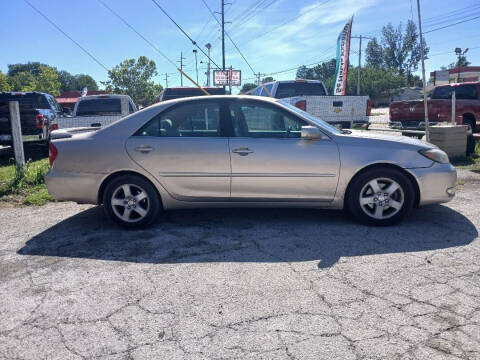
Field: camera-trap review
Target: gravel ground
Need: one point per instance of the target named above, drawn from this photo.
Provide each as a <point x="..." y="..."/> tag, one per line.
<point x="243" y="284"/>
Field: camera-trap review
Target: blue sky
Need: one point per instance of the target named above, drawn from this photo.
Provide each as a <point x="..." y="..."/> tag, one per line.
<point x="311" y="37"/>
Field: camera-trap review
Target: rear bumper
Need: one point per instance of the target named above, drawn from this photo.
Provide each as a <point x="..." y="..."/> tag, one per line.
<point x="79" y="187"/>
<point x="437" y="183"/>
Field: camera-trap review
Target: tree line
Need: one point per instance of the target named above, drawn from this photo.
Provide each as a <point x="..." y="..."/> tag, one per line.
<point x="131" y="77"/>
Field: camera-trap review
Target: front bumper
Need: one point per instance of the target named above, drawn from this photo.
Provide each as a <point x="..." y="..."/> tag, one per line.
<point x="79" y="187"/>
<point x="410" y="125"/>
<point x="437" y="183"/>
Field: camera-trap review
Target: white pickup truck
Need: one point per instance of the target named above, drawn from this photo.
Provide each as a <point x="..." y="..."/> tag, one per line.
<point x="98" y="111"/>
<point x="311" y="96"/>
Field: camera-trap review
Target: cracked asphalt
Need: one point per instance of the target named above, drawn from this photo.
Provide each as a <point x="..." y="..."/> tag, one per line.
<point x="240" y="284"/>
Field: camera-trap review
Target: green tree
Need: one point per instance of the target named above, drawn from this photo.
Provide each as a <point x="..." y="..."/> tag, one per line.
<point x="67" y="81"/>
<point x="30" y="67"/>
<point x="461" y="62"/>
<point x="22" y="81"/>
<point x="246" y="87"/>
<point x="4" y="85"/>
<point x="47" y="81"/>
<point x="133" y="77"/>
<point x="374" y="54"/>
<point x="83" y="80"/>
<point x="267" y="79"/>
<point x="319" y="72"/>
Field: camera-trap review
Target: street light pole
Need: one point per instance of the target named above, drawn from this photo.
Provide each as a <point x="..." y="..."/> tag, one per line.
<point x="460" y="53"/>
<point x="422" y="54"/>
<point x="196" y="64"/>
<point x="208" y="46"/>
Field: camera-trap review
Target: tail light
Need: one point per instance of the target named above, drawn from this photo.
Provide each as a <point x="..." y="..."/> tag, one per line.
<point x="369" y="107"/>
<point x="54" y="127"/>
<point x="52" y="152"/>
<point x="302" y="105"/>
<point x="40" y="121"/>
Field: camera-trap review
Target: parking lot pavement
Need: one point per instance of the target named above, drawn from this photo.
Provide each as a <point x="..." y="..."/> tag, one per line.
<point x="245" y="284"/>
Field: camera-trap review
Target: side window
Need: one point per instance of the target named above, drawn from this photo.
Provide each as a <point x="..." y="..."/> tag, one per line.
<point x="193" y="119"/>
<point x="269" y="88"/>
<point x="263" y="121"/>
<point x="130" y="108"/>
<point x="443" y="92"/>
<point x="257" y="91"/>
<point x="466" y="92"/>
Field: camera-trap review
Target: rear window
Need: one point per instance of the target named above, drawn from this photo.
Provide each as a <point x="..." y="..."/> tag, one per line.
<point x="26" y="101"/>
<point x="285" y="90"/>
<point x="466" y="92"/>
<point x="99" y="107"/>
<point x="170" y="94"/>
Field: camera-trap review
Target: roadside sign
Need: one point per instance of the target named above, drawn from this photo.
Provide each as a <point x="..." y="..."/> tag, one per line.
<point x="442" y="76"/>
<point x="221" y="78"/>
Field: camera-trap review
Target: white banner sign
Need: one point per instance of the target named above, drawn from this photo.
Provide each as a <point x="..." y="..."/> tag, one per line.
<point x="221" y="78"/>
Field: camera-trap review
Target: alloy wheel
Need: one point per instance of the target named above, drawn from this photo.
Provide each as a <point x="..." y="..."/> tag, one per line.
<point x="130" y="203"/>
<point x="381" y="198"/>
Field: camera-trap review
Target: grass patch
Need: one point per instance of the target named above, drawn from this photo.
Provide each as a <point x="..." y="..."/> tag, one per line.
<point x="471" y="162"/>
<point x="25" y="186"/>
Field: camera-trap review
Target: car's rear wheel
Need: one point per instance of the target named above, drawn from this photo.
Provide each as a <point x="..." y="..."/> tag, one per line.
<point x="380" y="196"/>
<point x="131" y="201"/>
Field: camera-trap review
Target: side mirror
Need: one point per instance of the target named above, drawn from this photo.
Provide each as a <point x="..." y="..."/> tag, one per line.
<point x="311" y="133"/>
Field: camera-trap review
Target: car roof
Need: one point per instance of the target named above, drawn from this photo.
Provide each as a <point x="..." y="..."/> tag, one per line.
<point x="203" y="98"/>
<point x="104" y="96"/>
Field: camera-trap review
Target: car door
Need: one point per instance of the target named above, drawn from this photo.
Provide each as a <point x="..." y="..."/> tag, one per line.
<point x="271" y="162"/>
<point x="184" y="148"/>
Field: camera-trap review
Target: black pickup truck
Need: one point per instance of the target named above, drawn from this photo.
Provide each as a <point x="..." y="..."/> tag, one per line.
<point x="38" y="116"/>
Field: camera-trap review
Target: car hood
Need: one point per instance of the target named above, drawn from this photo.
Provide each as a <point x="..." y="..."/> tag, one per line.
<point x="368" y="134"/>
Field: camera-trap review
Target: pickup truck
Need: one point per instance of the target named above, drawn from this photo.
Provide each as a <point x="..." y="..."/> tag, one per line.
<point x="410" y="115"/>
<point x="39" y="116"/>
<point x="311" y="96"/>
<point x="98" y="111"/>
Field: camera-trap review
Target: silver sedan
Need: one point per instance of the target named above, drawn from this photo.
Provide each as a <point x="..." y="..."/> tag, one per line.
<point x="244" y="151"/>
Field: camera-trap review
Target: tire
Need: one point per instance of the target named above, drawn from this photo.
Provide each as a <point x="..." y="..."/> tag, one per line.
<point x="375" y="208"/>
<point x="131" y="201"/>
<point x="471" y="143"/>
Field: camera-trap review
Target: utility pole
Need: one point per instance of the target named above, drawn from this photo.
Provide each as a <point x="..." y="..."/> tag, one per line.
<point x="425" y="105"/>
<point x="359" y="59"/>
<point x="208" y="46"/>
<point x="196" y="64"/>
<point x="223" y="35"/>
<point x="166" y="80"/>
<point x="181" y="68"/>
<point x="258" y="78"/>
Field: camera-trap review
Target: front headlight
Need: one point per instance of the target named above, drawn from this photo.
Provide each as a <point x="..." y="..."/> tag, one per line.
<point x="436" y="155"/>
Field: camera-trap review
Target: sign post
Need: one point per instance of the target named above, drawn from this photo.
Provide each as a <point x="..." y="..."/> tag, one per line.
<point x="16" y="133"/>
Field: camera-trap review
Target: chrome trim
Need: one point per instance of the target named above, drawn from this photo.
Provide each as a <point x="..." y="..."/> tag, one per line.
<point x="187" y="174"/>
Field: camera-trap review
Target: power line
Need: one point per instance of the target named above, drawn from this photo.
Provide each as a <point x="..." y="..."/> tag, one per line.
<point x="452" y="13"/>
<point x="136" y="32"/>
<point x="226" y="33"/>
<point x="183" y="31"/>
<point x="66" y="35"/>
<point x="450" y="25"/>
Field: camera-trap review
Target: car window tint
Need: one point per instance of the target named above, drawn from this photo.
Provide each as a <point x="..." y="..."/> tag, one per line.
<point x="130" y="108"/>
<point x="99" y="106"/>
<point x="443" y="92"/>
<point x="285" y="90"/>
<point x="466" y="92"/>
<point x="197" y="119"/>
<point x="263" y="121"/>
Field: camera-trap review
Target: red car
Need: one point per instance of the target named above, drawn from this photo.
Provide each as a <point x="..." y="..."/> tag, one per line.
<point x="410" y="115"/>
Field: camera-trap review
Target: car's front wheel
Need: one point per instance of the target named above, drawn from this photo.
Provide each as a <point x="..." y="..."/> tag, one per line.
<point x="131" y="201"/>
<point x="380" y="196"/>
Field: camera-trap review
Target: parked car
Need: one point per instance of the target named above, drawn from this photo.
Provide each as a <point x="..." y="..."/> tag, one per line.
<point x="243" y="151"/>
<point x="312" y="96"/>
<point x="98" y="110"/>
<point x="410" y="115"/>
<point x="39" y="115"/>
<point x="182" y="92"/>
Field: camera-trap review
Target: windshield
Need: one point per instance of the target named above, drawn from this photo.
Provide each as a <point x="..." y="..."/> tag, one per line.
<point x="285" y="90"/>
<point x="312" y="118"/>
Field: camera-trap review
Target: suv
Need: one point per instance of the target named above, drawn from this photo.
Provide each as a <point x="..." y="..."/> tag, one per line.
<point x="182" y="92"/>
<point x="39" y="113"/>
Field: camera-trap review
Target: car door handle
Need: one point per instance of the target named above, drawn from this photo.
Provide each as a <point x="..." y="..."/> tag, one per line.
<point x="242" y="151"/>
<point x="144" y="148"/>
